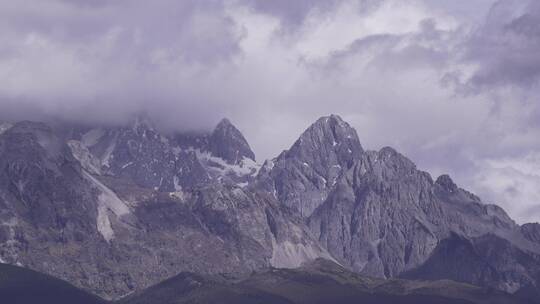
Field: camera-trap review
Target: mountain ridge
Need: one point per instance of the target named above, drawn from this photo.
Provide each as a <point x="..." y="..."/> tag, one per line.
<point x="317" y="281"/>
<point x="117" y="209"/>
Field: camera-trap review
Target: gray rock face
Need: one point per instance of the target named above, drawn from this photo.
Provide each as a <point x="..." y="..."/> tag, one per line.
<point x="303" y="176"/>
<point x="488" y="260"/>
<point x="374" y="220"/>
<point x="386" y="218"/>
<point x="531" y="232"/>
<point x="168" y="163"/>
<point x="224" y="153"/>
<point x="48" y="210"/>
<point x="229" y="144"/>
<point x="380" y="215"/>
<point x="143" y="155"/>
<point x="225" y="142"/>
<point x="114" y="210"/>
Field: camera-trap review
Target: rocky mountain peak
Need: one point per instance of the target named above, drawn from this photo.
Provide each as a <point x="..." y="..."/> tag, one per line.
<point x="228" y="143"/>
<point x="200" y="203"/>
<point x="446" y="183"/>
<point x="328" y="136"/>
<point x="224" y="123"/>
<point x="303" y="176"/>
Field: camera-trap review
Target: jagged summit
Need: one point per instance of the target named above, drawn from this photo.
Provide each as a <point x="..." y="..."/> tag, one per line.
<point x="328" y="132"/>
<point x="304" y="175"/>
<point x="329" y="141"/>
<point x="121" y="196"/>
<point x="224" y="123"/>
<point x="446" y="182"/>
<point x="227" y="142"/>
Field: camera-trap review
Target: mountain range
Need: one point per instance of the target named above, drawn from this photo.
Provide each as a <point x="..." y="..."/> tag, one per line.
<point x="126" y="212"/>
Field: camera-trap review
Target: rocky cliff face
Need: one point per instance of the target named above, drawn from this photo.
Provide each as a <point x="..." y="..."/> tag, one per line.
<point x="531" y="232"/>
<point x="229" y="144"/>
<point x="116" y="209"/>
<point x="487" y="260"/>
<point x="303" y="176"/>
<point x="376" y="212"/>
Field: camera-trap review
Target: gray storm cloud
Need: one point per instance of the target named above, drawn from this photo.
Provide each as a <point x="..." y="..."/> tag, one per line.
<point x="504" y="46"/>
<point x="454" y="85"/>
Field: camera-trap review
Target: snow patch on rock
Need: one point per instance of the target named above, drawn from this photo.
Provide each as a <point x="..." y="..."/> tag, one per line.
<point x="245" y="167"/>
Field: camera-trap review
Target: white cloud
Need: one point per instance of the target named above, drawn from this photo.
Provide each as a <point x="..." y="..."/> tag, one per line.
<point x="400" y="71"/>
<point x="513" y="183"/>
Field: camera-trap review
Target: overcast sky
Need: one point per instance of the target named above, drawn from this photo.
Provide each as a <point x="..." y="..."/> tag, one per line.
<point x="454" y="85"/>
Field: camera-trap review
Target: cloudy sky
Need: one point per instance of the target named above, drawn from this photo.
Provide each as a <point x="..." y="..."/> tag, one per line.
<point x="454" y="85"/>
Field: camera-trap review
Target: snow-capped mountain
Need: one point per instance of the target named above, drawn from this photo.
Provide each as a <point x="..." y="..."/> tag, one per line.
<point x="114" y="210"/>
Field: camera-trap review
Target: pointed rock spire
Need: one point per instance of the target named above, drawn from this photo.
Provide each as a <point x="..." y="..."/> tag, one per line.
<point x="227" y="142"/>
<point x="329" y="138"/>
<point x="446" y="182"/>
<point x="303" y="176"/>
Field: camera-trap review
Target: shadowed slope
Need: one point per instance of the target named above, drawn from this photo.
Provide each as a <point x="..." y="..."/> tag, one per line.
<point x="321" y="281"/>
<point x="23" y="286"/>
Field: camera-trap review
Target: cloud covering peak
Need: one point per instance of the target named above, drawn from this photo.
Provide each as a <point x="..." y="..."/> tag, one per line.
<point x="454" y="85"/>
